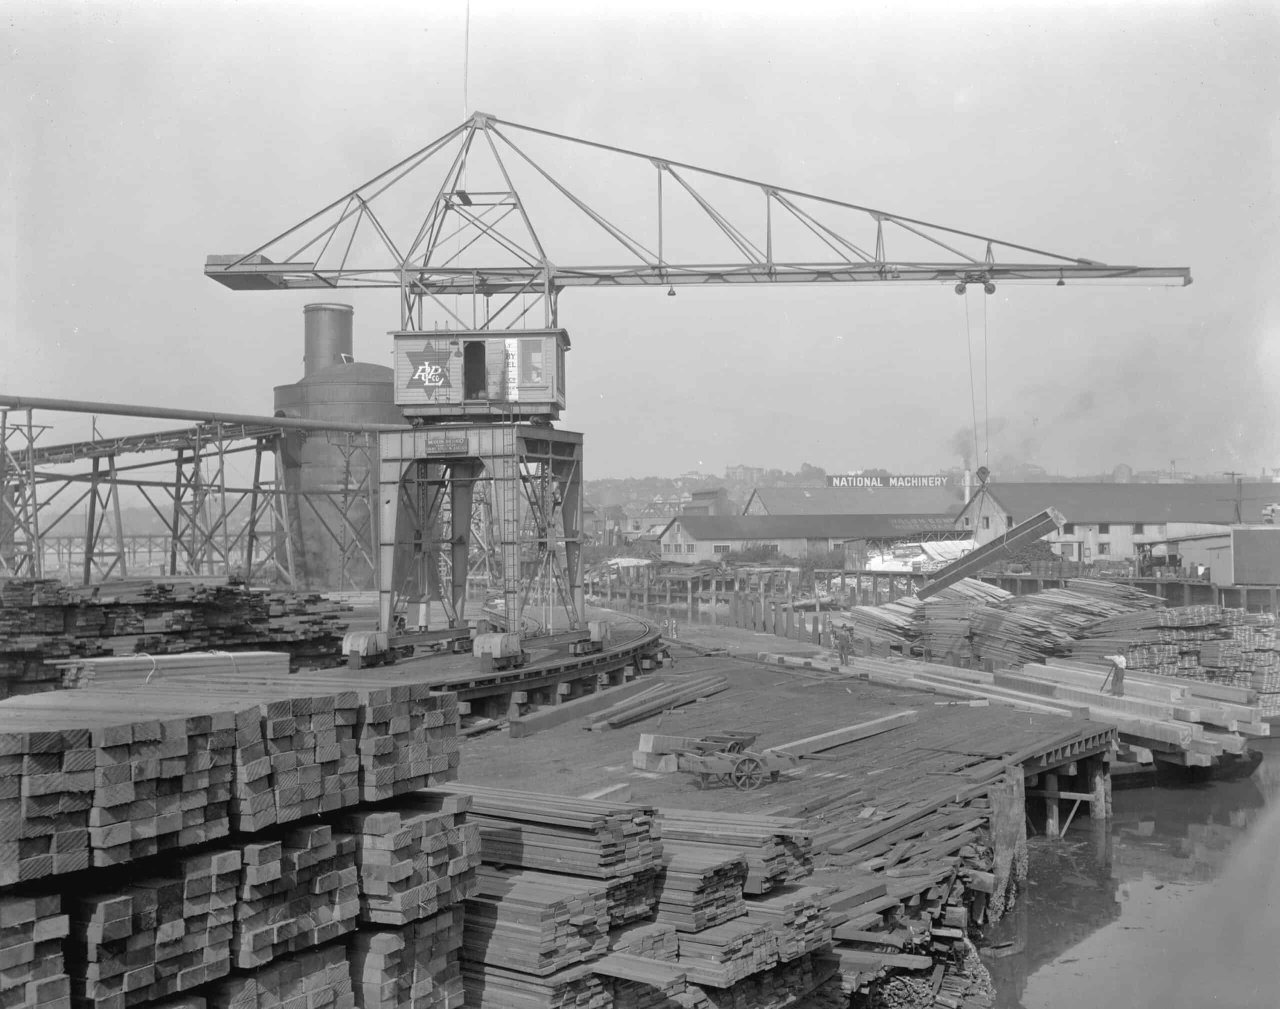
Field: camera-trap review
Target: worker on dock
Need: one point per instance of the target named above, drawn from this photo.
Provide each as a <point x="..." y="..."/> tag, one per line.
<point x="1116" y="676"/>
<point x="842" y="644"/>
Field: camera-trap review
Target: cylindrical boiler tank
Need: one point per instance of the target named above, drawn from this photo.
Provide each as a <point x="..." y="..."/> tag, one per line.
<point x="334" y="469"/>
<point x="326" y="337"/>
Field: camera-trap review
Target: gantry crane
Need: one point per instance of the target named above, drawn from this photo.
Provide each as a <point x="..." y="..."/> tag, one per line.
<point x="487" y="225"/>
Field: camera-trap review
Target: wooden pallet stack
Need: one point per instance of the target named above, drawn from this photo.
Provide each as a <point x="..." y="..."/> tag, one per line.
<point x="157" y="936"/>
<point x="415" y="859"/>
<point x="798" y="915"/>
<point x="535" y="922"/>
<point x="298" y="891"/>
<point x="778" y="850"/>
<point x="33" y="973"/>
<point x="701" y="887"/>
<point x="413" y="967"/>
<point x="313" y="978"/>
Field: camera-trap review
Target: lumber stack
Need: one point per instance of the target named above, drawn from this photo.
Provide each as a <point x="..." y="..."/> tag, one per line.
<point x="583" y="837"/>
<point x="95" y="780"/>
<point x="776" y="988"/>
<point x="727" y="953"/>
<point x="778" y="850"/>
<point x="407" y="740"/>
<point x="633" y="897"/>
<point x="636" y="982"/>
<point x="298" y="891"/>
<point x="499" y="988"/>
<point x="32" y="970"/>
<point x="157" y="936"/>
<point x="701" y="887"/>
<point x="534" y="922"/>
<point x="657" y="700"/>
<point x="415" y="859"/>
<point x="135" y="670"/>
<point x="413" y="967"/>
<point x="799" y="917"/>
<point x="42" y="620"/>
<point x="319" y="977"/>
<point x="654" y="941"/>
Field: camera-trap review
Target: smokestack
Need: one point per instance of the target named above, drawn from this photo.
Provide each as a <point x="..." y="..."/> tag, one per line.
<point x="968" y="487"/>
<point x="326" y="335"/>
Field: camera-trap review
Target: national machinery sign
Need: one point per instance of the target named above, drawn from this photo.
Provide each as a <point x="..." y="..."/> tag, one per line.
<point x="891" y="480"/>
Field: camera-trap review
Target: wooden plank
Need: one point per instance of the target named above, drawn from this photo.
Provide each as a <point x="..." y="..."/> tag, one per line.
<point x="848" y="734"/>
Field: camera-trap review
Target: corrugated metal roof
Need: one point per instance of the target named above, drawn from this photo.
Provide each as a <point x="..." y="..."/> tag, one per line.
<point x="1136" y="502"/>
<point x="858" y="500"/>
<point x="796" y="527"/>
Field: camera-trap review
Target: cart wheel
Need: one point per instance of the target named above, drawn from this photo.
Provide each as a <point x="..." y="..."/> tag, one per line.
<point x="748" y="774"/>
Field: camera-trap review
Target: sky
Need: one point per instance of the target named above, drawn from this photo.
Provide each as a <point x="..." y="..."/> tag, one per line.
<point x="141" y="137"/>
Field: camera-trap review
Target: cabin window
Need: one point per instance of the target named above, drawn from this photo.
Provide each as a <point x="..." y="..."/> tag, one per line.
<point x="1104" y="548"/>
<point x="1068" y="551"/>
<point x="690" y="547"/>
<point x="967" y="522"/>
<point x="1104" y="529"/>
<point x="986" y="521"/>
<point x="1137" y="529"/>
<point x="474" y="372"/>
<point x="1008" y="521"/>
<point x="1068" y="528"/>
<point x="531" y="362"/>
<point x="721" y="548"/>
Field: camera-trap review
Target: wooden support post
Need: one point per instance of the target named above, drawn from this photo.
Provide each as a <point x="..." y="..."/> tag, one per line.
<point x="713" y="602"/>
<point x="689" y="602"/>
<point x="1051" y="828"/>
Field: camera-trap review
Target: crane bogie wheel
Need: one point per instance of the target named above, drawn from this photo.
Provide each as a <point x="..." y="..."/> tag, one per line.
<point x="960" y="288"/>
<point x="748" y="774"/>
<point x="989" y="287"/>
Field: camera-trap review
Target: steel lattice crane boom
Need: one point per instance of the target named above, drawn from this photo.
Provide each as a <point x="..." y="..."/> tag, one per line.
<point x="507" y="211"/>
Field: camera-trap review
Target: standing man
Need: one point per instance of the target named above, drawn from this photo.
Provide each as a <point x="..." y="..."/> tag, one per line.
<point x="842" y="642"/>
<point x="1116" y="676"/>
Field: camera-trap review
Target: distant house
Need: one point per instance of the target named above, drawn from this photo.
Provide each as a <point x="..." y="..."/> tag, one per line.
<point x="690" y="539"/>
<point x="855" y="501"/>
<point x="709" y="502"/>
<point x="1111" y="521"/>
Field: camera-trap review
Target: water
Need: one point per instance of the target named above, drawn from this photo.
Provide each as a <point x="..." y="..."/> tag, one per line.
<point x="1176" y="903"/>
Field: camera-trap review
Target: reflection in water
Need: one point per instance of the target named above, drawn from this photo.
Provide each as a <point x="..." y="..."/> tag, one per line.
<point x="1176" y="903"/>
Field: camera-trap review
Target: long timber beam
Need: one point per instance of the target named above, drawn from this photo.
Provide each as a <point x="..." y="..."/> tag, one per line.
<point x="971" y="563"/>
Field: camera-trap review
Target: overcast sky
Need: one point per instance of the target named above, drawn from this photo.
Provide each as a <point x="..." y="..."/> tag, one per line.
<point x="143" y="137"/>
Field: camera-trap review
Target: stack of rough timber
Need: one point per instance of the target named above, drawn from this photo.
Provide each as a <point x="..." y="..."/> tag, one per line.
<point x="499" y="988"/>
<point x="44" y="620"/>
<point x="725" y="954"/>
<point x="656" y="700"/>
<point x="701" y="887"/>
<point x="103" y="780"/>
<point x="137" y="670"/>
<point x="652" y="940"/>
<point x="316" y="978"/>
<point x="412" y="967"/>
<point x="778" y="850"/>
<point x="416" y="859"/>
<point x="156" y="937"/>
<point x="799" y="917"/>
<point x="606" y="841"/>
<point x="299" y="891"/>
<point x="32" y="971"/>
<point x="535" y="922"/>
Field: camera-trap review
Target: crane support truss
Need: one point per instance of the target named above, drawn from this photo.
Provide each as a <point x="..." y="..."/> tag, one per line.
<point x="529" y="477"/>
<point x="472" y="214"/>
<point x="61" y="512"/>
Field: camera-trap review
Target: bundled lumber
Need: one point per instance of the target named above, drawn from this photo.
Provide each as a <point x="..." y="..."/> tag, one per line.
<point x="44" y="620"/>
<point x="893" y="624"/>
<point x="535" y="922"/>
<point x="318" y="977"/>
<point x="556" y="833"/>
<point x="142" y="669"/>
<point x="725" y="954"/>
<point x="778" y="850"/>
<point x="414" y="967"/>
<point x="101" y="780"/>
<point x="298" y="891"/>
<point x="849" y="734"/>
<point x="798" y="915"/>
<point x="701" y="886"/>
<point x="636" y="982"/>
<point x="407" y="740"/>
<point x="157" y="936"/>
<point x="32" y="971"/>
<point x="414" y="859"/>
<point x="642" y="706"/>
<point x="776" y="988"/>
<point x="655" y="941"/>
<point x="632" y="898"/>
<point x="491" y="987"/>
